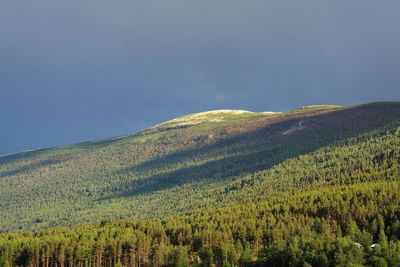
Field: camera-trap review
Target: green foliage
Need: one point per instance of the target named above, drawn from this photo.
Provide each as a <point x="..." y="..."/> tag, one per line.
<point x="178" y="257"/>
<point x="284" y="231"/>
<point x="175" y="168"/>
<point x="253" y="189"/>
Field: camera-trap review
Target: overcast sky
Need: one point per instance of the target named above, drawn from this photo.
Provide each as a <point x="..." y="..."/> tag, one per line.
<point x="77" y="70"/>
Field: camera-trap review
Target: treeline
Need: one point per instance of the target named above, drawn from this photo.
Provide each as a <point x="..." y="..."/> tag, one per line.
<point x="335" y="226"/>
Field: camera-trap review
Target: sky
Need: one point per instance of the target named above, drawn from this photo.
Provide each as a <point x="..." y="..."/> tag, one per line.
<point x="78" y="70"/>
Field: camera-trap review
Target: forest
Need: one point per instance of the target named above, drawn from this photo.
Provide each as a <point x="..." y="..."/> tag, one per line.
<point x="355" y="225"/>
<point x="176" y="167"/>
<point x="251" y="191"/>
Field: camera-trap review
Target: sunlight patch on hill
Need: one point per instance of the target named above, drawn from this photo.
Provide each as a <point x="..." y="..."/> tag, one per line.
<point x="210" y="116"/>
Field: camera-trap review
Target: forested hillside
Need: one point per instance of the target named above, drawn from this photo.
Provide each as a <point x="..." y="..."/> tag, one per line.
<point x="197" y="162"/>
<point x="323" y="192"/>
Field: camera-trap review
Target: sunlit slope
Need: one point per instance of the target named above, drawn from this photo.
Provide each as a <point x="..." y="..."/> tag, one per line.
<point x="325" y="207"/>
<point x="170" y="168"/>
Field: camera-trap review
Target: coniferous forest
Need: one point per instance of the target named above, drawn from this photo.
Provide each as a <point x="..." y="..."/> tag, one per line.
<point x="318" y="186"/>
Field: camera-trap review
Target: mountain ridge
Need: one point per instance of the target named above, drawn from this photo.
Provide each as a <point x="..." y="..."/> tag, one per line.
<point x="230" y="111"/>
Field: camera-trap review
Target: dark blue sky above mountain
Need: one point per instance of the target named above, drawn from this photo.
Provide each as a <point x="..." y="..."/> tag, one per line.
<point x="75" y="70"/>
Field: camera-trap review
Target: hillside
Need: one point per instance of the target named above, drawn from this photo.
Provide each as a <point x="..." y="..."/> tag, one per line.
<point x="199" y="162"/>
<point x="318" y="186"/>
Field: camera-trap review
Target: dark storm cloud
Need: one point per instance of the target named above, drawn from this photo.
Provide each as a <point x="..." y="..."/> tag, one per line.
<point x="79" y="70"/>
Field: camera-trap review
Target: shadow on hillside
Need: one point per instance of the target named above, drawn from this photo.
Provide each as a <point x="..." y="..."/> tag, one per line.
<point x="21" y="155"/>
<point x="30" y="167"/>
<point x="97" y="143"/>
<point x="261" y="149"/>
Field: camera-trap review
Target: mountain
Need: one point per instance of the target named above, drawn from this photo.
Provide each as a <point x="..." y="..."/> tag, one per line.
<point x="195" y="162"/>
<point x="317" y="186"/>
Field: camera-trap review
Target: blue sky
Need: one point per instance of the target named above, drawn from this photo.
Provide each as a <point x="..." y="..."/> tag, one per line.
<point x="77" y="70"/>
